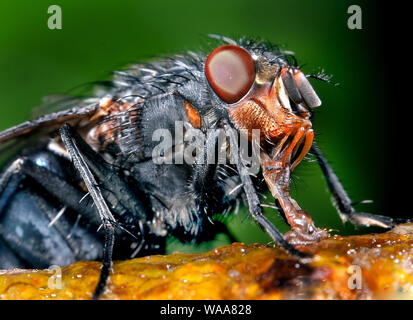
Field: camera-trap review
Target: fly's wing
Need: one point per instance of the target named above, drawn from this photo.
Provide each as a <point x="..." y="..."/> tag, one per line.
<point x="15" y="138"/>
<point x="55" y="103"/>
<point x="55" y="110"/>
<point x="48" y="123"/>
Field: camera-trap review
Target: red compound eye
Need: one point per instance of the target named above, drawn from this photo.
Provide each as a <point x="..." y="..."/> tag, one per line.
<point x="230" y="71"/>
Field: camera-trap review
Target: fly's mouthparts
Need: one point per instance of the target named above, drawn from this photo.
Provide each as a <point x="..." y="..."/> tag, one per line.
<point x="292" y="148"/>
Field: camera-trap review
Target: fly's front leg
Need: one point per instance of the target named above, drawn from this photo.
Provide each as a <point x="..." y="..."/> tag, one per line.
<point x="254" y="203"/>
<point x="343" y="202"/>
<point x="277" y="176"/>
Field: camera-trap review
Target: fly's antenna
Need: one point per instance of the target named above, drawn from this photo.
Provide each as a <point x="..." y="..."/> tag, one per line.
<point x="322" y="76"/>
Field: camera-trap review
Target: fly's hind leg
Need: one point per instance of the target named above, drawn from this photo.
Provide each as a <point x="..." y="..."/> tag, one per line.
<point x="107" y="219"/>
<point x="343" y="202"/>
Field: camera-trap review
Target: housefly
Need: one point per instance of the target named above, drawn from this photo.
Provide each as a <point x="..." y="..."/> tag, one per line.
<point x="157" y="152"/>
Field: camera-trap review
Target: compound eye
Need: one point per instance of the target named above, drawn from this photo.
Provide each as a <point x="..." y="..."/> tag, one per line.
<point x="230" y="71"/>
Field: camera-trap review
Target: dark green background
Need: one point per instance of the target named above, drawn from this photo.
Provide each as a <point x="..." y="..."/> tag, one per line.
<point x="100" y="36"/>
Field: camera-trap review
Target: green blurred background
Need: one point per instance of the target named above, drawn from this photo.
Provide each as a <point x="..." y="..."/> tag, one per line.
<point x="100" y="36"/>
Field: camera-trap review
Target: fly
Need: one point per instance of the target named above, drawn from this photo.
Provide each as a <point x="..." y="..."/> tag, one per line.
<point x="158" y="151"/>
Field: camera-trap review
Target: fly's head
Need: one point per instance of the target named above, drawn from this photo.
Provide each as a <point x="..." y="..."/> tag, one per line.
<point x="265" y="93"/>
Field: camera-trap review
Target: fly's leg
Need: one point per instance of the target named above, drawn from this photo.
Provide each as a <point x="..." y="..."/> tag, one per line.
<point x="343" y="202"/>
<point x="276" y="169"/>
<point x="105" y="214"/>
<point x="254" y="204"/>
<point x="277" y="176"/>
